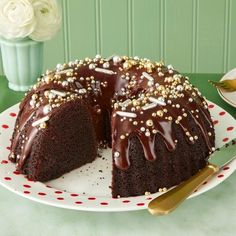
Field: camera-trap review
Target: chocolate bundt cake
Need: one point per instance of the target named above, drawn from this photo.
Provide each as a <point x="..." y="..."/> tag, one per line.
<point x="156" y="122"/>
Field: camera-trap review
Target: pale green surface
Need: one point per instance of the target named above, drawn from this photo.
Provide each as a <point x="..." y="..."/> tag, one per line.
<point x="211" y="214"/>
<point x="194" y="35"/>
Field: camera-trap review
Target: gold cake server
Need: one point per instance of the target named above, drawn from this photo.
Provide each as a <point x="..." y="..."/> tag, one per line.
<point x="171" y="199"/>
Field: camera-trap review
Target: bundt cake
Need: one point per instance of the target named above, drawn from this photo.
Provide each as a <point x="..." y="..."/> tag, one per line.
<point x="156" y="122"/>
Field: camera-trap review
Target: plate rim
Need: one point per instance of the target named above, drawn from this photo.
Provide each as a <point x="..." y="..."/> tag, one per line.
<point x="65" y="205"/>
<point x="221" y="93"/>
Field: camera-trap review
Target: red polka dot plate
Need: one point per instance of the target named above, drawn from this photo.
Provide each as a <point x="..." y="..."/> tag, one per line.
<point x="88" y="188"/>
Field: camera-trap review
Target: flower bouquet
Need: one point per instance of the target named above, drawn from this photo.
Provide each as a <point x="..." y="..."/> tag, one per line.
<point x="24" y="26"/>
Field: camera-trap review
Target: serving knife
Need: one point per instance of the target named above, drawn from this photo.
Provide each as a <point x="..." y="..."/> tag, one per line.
<point x="171" y="199"/>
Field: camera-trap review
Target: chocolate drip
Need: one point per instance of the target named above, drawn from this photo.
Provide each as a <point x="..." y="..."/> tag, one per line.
<point x="143" y="98"/>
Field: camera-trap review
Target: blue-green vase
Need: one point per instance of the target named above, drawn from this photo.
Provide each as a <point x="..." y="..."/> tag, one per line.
<point x="22" y="62"/>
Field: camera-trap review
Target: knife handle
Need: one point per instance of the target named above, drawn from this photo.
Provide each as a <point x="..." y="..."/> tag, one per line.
<point x="168" y="201"/>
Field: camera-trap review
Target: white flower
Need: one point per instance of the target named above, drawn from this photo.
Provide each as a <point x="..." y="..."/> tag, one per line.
<point x="16" y="18"/>
<point x="48" y="19"/>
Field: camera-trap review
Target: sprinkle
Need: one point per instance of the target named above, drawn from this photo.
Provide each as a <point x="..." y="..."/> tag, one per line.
<point x="116" y="154"/>
<point x="47" y="109"/>
<point x="122" y="137"/>
<point x="65" y="71"/>
<point x="43" y="125"/>
<point x="92" y="66"/>
<point x="65" y="83"/>
<point x="106" y="65"/>
<point x="147" y="133"/>
<point x="32" y="103"/>
<point x="142" y="129"/>
<point x="147" y="76"/>
<point x="105" y="71"/>
<point x="170" y="67"/>
<point x="98" y="56"/>
<point x="59" y="66"/>
<point x="154" y="131"/>
<point x="179" y="87"/>
<point x="125" y="103"/>
<point x="70" y="80"/>
<point x="38" y="122"/>
<point x="160" y="101"/>
<point x="149" y="106"/>
<point x="190" y="100"/>
<point x="116" y="59"/>
<point x="150" y="83"/>
<point x="149" y="122"/>
<point x="34" y="96"/>
<point x="191" y="138"/>
<point x="82" y="91"/>
<point x="126" y="114"/>
<point x="164" y="189"/>
<point x="160" y="74"/>
<point x="58" y="93"/>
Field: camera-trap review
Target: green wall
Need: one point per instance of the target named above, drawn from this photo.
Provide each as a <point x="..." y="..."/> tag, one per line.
<point x="193" y="35"/>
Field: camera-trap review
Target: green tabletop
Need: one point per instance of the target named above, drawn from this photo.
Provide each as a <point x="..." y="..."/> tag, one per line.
<point x="211" y="213"/>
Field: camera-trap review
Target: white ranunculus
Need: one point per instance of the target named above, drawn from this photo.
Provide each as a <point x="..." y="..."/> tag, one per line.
<point x="48" y="19"/>
<point x="16" y="18"/>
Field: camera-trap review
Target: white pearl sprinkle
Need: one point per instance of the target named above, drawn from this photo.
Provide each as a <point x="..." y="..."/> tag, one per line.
<point x="116" y="59"/>
<point x="126" y="114"/>
<point x="38" y="122"/>
<point x="116" y="154"/>
<point x="92" y="66"/>
<point x="106" y="65"/>
<point x="47" y="109"/>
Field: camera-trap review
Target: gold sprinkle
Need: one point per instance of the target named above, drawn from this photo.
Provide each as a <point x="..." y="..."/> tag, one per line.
<point x="149" y="122"/>
<point x="43" y="125"/>
<point x="34" y="96"/>
<point x="160" y="113"/>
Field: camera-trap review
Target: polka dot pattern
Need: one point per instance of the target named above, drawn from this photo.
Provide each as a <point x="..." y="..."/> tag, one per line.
<point x="79" y="200"/>
<point x="12" y="114"/>
<point x="222" y="113"/>
<point x="225" y="140"/>
<point x="26" y="186"/>
<point x="60" y="198"/>
<point x="230" y="128"/>
<point x="7" y="178"/>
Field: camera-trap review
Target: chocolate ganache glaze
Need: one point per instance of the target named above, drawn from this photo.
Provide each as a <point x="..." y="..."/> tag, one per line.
<point x="141" y="97"/>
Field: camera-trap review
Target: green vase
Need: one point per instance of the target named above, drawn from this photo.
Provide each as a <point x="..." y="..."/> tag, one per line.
<point x="22" y="62"/>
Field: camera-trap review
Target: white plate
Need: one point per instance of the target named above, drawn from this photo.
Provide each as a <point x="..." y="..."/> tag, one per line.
<point x="229" y="97"/>
<point x="87" y="188"/>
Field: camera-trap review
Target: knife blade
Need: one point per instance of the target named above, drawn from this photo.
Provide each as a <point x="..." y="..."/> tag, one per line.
<point x="169" y="201"/>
